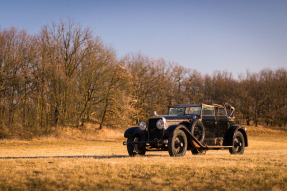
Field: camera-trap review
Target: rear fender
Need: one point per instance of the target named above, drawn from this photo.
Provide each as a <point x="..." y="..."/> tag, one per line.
<point x="229" y="135"/>
<point x="132" y="131"/>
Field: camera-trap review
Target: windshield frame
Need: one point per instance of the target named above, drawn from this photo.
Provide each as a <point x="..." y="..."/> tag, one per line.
<point x="184" y="110"/>
<point x="196" y="111"/>
<point x="172" y="111"/>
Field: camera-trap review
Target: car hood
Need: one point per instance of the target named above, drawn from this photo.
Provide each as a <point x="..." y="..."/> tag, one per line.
<point x="176" y="118"/>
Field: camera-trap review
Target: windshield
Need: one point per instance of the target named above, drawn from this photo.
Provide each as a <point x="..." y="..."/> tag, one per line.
<point x="176" y="111"/>
<point x="208" y="111"/>
<point x="193" y="110"/>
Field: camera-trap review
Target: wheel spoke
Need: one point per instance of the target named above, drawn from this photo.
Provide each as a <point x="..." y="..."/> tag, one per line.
<point x="197" y="132"/>
<point x="178" y="144"/>
<point x="237" y="144"/>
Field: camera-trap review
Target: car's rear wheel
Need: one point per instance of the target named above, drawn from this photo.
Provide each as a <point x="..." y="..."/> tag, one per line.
<point x="238" y="144"/>
<point x="134" y="149"/>
<point x="177" y="144"/>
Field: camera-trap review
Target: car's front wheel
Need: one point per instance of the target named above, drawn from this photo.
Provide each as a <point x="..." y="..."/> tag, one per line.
<point x="177" y="144"/>
<point x="134" y="149"/>
<point x="238" y="144"/>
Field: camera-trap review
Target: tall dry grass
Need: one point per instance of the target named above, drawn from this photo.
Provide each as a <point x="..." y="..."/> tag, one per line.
<point x="103" y="164"/>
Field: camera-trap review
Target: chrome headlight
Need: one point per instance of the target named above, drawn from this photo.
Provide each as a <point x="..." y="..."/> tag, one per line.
<point x="142" y="125"/>
<point x="161" y="123"/>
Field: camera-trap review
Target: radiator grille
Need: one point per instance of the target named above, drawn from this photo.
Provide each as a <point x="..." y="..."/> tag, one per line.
<point x="153" y="131"/>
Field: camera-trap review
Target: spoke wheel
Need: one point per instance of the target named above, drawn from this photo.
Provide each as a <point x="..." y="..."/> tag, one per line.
<point x="238" y="144"/>
<point x="198" y="131"/>
<point x="177" y="144"/>
<point x="134" y="149"/>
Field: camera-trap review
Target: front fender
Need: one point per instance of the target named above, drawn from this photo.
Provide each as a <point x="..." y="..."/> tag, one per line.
<point x="192" y="142"/>
<point x="229" y="135"/>
<point x="132" y="131"/>
<point x="169" y="131"/>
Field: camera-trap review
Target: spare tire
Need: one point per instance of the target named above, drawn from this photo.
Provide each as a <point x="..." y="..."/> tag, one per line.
<point x="198" y="130"/>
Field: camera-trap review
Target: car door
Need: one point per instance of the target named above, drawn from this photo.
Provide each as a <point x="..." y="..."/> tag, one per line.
<point x="208" y="120"/>
<point x="221" y="122"/>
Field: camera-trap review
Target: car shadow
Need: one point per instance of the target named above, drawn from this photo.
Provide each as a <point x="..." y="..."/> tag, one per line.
<point x="77" y="156"/>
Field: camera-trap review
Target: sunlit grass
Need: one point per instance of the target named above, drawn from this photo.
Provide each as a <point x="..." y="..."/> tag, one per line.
<point x="97" y="164"/>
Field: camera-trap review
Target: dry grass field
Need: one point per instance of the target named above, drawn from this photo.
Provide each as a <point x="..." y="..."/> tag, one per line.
<point x="99" y="161"/>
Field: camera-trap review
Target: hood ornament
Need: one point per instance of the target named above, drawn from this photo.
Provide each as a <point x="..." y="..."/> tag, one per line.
<point x="154" y="112"/>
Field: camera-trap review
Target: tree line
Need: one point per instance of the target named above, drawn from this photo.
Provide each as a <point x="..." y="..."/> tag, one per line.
<point x="65" y="76"/>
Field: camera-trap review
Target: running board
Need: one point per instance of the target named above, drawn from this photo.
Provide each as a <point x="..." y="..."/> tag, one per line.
<point x="198" y="145"/>
<point x="165" y="141"/>
<point x="217" y="147"/>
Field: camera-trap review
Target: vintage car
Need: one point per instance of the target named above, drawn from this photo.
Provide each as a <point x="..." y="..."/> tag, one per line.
<point x="195" y="127"/>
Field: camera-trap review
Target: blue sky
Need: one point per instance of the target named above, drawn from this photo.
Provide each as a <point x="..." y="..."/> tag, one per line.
<point x="205" y="35"/>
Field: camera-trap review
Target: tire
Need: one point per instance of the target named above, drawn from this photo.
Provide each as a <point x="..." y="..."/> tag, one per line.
<point x="238" y="144"/>
<point x="198" y="131"/>
<point x="134" y="149"/>
<point x="177" y="144"/>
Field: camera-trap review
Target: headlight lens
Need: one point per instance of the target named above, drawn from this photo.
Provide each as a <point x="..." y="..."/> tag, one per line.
<point x="160" y="124"/>
<point x="142" y="125"/>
